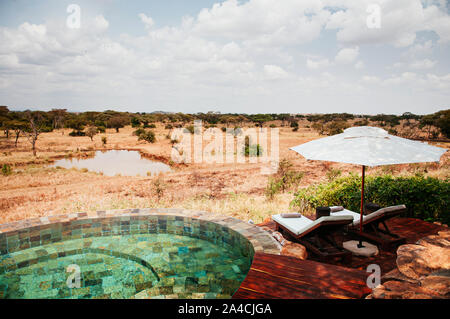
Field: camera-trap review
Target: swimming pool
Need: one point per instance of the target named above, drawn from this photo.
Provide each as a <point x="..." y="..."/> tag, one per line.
<point x="150" y="253"/>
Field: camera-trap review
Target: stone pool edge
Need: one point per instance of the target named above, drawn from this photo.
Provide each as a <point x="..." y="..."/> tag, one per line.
<point x="260" y="239"/>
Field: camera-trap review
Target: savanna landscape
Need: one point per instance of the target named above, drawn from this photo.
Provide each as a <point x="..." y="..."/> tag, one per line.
<point x="239" y="150"/>
<point x="31" y="187"/>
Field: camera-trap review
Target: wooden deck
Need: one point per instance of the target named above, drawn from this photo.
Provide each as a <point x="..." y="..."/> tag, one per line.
<point x="274" y="276"/>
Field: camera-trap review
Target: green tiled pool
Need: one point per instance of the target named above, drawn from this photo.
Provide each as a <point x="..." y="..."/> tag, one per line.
<point x="124" y="257"/>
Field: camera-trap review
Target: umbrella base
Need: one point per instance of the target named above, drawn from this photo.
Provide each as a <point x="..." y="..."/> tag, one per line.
<point x="367" y="251"/>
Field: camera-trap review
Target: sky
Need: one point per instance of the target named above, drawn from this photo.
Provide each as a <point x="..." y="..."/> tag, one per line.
<point x="255" y="56"/>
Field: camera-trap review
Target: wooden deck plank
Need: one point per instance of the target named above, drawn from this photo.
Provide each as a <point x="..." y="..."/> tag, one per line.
<point x="273" y="276"/>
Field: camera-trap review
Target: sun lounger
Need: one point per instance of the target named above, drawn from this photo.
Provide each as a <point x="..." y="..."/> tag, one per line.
<point x="317" y="235"/>
<point x="371" y="225"/>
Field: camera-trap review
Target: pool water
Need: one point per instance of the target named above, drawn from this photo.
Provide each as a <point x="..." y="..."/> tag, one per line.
<point x="124" y="266"/>
<point x="115" y="162"/>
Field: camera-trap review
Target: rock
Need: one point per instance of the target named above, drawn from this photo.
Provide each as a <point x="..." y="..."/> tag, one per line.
<point x="279" y="238"/>
<point x="395" y="274"/>
<point x="294" y="250"/>
<point x="423" y="271"/>
<point x="415" y="261"/>
<point x="438" y="281"/>
<point x="402" y="290"/>
<point x="444" y="234"/>
<point x="434" y="240"/>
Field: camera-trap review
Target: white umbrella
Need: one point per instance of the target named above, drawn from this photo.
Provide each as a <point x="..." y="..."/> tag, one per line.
<point x="368" y="146"/>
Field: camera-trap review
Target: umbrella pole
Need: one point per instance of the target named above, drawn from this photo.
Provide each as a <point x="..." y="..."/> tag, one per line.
<point x="360" y="244"/>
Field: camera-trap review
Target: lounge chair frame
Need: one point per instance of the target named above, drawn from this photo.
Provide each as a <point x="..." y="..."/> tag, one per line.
<point x="374" y="233"/>
<point x="319" y="240"/>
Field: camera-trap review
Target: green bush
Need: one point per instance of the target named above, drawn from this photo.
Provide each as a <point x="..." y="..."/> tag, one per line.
<point x="148" y="136"/>
<point x="6" y="170"/>
<point x="426" y="198"/>
<point x="273" y="187"/>
<point x="138" y="132"/>
<point x="101" y="129"/>
<point x="251" y="149"/>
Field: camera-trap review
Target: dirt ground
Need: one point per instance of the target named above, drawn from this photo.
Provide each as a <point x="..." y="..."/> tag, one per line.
<point x="34" y="189"/>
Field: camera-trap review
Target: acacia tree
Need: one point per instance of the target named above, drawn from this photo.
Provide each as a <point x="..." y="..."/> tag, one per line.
<point x="91" y="131"/>
<point x="58" y="116"/>
<point x="4" y="118"/>
<point x="17" y="126"/>
<point x="33" y="128"/>
<point x="117" y="122"/>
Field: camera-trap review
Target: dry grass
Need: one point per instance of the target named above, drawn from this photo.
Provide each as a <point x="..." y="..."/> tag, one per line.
<point x="233" y="189"/>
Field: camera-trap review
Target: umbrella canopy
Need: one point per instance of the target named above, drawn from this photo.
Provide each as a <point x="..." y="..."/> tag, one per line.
<point x="368" y="146"/>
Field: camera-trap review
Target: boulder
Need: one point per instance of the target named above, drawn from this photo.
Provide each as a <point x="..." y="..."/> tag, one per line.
<point x="402" y="290"/>
<point x="395" y="274"/>
<point x="434" y="240"/>
<point x="438" y="281"/>
<point x="423" y="271"/>
<point x="444" y="234"/>
<point x="294" y="250"/>
<point x="415" y="261"/>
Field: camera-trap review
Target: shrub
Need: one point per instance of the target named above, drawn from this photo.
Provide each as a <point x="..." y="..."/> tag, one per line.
<point x="148" y="136"/>
<point x="6" y="170"/>
<point x="190" y="129"/>
<point x="272" y="126"/>
<point x="104" y="140"/>
<point x="273" y="187"/>
<point x="252" y="149"/>
<point x="135" y="122"/>
<point x="333" y="174"/>
<point x="426" y="198"/>
<point x="159" y="187"/>
<point x="138" y="132"/>
<point x="168" y="127"/>
<point x="285" y="178"/>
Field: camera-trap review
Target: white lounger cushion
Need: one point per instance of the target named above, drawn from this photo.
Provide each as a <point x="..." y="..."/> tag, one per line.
<point x="300" y="225"/>
<point x="347" y="212"/>
<point x="367" y="218"/>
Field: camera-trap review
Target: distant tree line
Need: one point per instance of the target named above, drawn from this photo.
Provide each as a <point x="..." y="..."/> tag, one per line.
<point x="32" y="123"/>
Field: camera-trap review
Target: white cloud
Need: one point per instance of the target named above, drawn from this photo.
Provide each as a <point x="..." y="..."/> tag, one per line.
<point x="422" y="64"/>
<point x="238" y="53"/>
<point x="148" y="21"/>
<point x="317" y="63"/>
<point x="371" y="79"/>
<point x="400" y="21"/>
<point x="347" y="55"/>
<point x="275" y="72"/>
<point x="359" y="65"/>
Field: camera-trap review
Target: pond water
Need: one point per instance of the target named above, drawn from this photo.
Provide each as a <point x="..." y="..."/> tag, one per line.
<point x="110" y="163"/>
